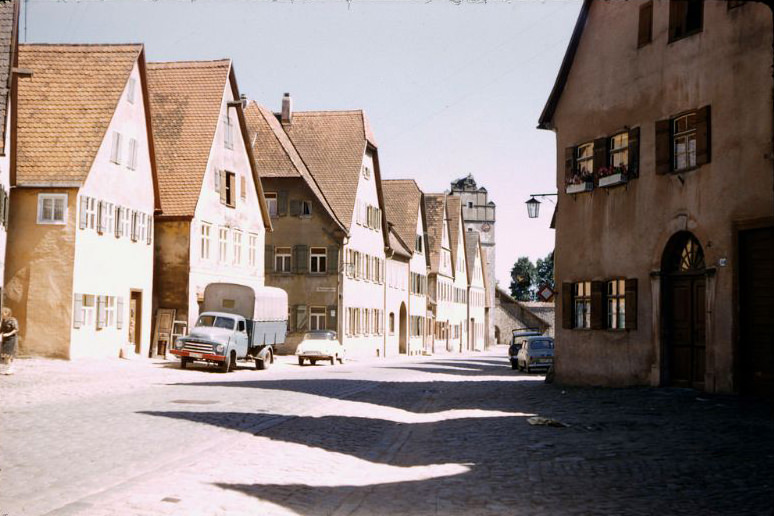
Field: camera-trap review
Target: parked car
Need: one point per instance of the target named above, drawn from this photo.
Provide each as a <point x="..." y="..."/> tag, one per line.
<point x="320" y="345"/>
<point x="516" y="342"/>
<point x="536" y="352"/>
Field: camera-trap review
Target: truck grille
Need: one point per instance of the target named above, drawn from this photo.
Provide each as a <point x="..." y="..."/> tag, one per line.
<point x="198" y="347"/>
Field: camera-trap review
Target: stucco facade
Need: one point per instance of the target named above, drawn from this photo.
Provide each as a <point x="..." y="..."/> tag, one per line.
<point x="698" y="198"/>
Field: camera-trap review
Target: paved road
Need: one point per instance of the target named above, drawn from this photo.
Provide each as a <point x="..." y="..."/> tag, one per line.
<point x="429" y="435"/>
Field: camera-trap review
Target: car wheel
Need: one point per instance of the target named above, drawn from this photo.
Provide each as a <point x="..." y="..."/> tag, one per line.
<point x="528" y="369"/>
<point x="225" y="366"/>
<point x="313" y="362"/>
<point x="300" y="361"/>
<point x="333" y="360"/>
<point x="514" y="365"/>
<point x="184" y="362"/>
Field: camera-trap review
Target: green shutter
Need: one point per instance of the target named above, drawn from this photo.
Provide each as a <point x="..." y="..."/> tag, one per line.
<point x="333" y="259"/>
<point x="268" y="258"/>
<point x="301" y="259"/>
<point x="634" y="152"/>
<point x="332" y="320"/>
<point x="663" y="146"/>
<point x="282" y="203"/>
<point x="631" y="304"/>
<point x="566" y="300"/>
<point x="295" y="208"/>
<point x="703" y="136"/>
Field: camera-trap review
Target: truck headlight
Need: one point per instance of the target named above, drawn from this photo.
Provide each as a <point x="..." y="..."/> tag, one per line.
<point x="219" y="348"/>
<point x="179" y="344"/>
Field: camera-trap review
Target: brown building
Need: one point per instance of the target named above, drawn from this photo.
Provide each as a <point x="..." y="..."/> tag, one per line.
<point x="664" y="246"/>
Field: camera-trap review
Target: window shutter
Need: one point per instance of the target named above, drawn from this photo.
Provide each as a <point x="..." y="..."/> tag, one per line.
<point x="78" y="310"/>
<point x="301" y="259"/>
<point x="292" y="318"/>
<point x="242" y="188"/>
<point x="6" y="204"/>
<point x="119" y="312"/>
<point x="282" y="203"/>
<point x="82" y="214"/>
<point x="634" y="151"/>
<point x="3" y="201"/>
<point x="295" y="208"/>
<point x="569" y="162"/>
<point x="333" y="259"/>
<point x="100" y="217"/>
<point x="118" y="227"/>
<point x="216" y="179"/>
<point x="100" y="312"/>
<point x="222" y="183"/>
<point x="663" y="146"/>
<point x="597" y="305"/>
<point x="703" y="130"/>
<point x="301" y="317"/>
<point x="331" y="320"/>
<point x="600" y="154"/>
<point x="567" y="315"/>
<point x="631" y="304"/>
<point x="134" y="225"/>
<point x="149" y="235"/>
<point x="645" y="30"/>
<point x="268" y="258"/>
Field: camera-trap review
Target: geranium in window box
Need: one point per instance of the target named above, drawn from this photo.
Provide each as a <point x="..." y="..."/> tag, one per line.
<point x="581" y="181"/>
<point x="611" y="176"/>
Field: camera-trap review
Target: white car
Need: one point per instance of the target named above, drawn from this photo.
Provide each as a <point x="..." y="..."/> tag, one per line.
<point x="320" y="345"/>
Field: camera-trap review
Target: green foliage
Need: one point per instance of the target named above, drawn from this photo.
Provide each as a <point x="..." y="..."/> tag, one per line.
<point x="545" y="271"/>
<point x="523" y="275"/>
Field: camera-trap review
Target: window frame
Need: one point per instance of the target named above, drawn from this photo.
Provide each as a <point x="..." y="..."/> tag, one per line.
<point x="271" y="201"/>
<point x="318" y="260"/>
<point x="581" y="296"/>
<point x="615" y="305"/>
<point x="223" y="245"/>
<point x="285" y="254"/>
<point x="678" y="28"/>
<point x="230" y="188"/>
<point x="42" y="197"/>
<point x="689" y="132"/>
<point x="317" y="318"/>
<point x="205" y="235"/>
<point x="252" y="249"/>
<point x="236" y="243"/>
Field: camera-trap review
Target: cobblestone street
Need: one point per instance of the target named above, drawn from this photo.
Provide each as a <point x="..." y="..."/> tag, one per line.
<point x="429" y="435"/>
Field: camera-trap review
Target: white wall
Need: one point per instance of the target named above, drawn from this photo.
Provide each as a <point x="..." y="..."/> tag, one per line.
<point x="418" y="303"/>
<point x="397" y="294"/>
<point x="476" y="303"/>
<point x="5" y="181"/>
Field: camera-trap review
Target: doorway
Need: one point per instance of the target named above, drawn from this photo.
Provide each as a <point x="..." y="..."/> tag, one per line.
<point x="684" y="311"/>
<point x="135" y="320"/>
<point x="402" y="344"/>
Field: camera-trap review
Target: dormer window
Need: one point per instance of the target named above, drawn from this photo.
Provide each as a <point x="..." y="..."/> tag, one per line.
<point x="418" y="244"/>
<point x="228" y="132"/>
<point x="366" y="172"/>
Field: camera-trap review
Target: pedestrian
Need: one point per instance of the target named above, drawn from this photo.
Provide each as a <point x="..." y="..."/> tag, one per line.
<point x="8" y="330"/>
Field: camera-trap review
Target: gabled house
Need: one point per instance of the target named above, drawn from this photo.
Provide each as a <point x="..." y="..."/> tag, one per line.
<point x="664" y="236"/>
<point x="440" y="280"/>
<point x="405" y="208"/>
<point x="213" y="216"/>
<point x="339" y="152"/>
<point x="396" y="294"/>
<point x="80" y="251"/>
<point x="477" y="292"/>
<point x="458" y="320"/>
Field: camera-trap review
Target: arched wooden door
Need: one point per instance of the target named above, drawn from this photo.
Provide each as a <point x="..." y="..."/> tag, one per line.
<point x="402" y="342"/>
<point x="684" y="311"/>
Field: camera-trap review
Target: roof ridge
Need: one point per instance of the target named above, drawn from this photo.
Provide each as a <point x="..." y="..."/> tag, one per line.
<point x="87" y="45"/>
<point x="190" y="63"/>
<point x="329" y="112"/>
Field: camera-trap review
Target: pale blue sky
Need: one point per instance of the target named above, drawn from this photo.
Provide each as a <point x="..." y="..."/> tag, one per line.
<point x="449" y="89"/>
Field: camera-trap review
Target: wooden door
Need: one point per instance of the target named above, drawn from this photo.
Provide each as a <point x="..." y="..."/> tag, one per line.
<point x="686" y="320"/>
<point x="135" y="321"/>
<point x="756" y="312"/>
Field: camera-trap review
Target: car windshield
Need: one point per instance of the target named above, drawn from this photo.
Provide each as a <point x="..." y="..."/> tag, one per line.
<point x="541" y="344"/>
<point x="214" y="321"/>
<point x="318" y="336"/>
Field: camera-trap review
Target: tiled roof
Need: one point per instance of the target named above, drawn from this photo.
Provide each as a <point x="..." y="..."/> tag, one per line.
<point x="471" y="248"/>
<point x="8" y="31"/>
<point x="398" y="246"/>
<point x="185" y="100"/>
<point x="332" y="144"/>
<point x="66" y="106"/>
<point x="434" y="212"/>
<point x="274" y="153"/>
<point x="401" y="205"/>
<point x="454" y="212"/>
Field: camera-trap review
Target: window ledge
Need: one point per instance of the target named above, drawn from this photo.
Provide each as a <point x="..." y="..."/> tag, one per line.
<point x="613" y="180"/>
<point x="579" y="188"/>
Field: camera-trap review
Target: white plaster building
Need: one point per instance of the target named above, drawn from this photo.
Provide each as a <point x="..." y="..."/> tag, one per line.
<point x="441" y="274"/>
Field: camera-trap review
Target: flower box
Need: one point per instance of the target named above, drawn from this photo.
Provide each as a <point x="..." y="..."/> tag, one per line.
<point x="612" y="180"/>
<point x="586" y="186"/>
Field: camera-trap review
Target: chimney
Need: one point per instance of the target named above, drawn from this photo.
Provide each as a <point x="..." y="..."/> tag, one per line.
<point x="287" y="110"/>
<point x="243" y="98"/>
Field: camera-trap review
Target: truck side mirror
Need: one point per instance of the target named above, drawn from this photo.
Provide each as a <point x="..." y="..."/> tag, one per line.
<point x="241" y="326"/>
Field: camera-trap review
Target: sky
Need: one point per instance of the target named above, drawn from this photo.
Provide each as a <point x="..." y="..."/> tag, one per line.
<point x="450" y="87"/>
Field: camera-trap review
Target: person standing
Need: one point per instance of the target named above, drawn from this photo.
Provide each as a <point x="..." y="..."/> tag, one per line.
<point x="8" y="329"/>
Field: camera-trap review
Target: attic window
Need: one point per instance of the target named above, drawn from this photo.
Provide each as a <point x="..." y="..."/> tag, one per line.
<point x="130" y="91"/>
<point x="366" y="172"/>
<point x="228" y="132"/>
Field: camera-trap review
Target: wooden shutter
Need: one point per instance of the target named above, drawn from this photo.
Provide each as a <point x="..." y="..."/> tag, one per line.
<point x="222" y="183"/>
<point x="6" y="202"/>
<point x="295" y="208"/>
<point x="268" y="258"/>
<point x="301" y="259"/>
<point x="100" y="217"/>
<point x="242" y="188"/>
<point x="331" y="320"/>
<point x="119" y="312"/>
<point x="282" y="203"/>
<point x="82" y="214"/>
<point x="569" y="162"/>
<point x="3" y="201"/>
<point x="77" y="310"/>
<point x="663" y="146"/>
<point x="135" y="228"/>
<point x="292" y="318"/>
<point x="703" y="130"/>
<point x="567" y="315"/>
<point x="333" y="259"/>
<point x="600" y="154"/>
<point x="117" y="229"/>
<point x="149" y="236"/>
<point x="301" y="317"/>
<point x="597" y="305"/>
<point x="101" y="316"/>
<point x="631" y="304"/>
<point x="634" y="152"/>
<point x="645" y="30"/>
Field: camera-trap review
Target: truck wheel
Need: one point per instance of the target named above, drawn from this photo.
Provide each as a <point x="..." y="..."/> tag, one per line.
<point x="225" y="366"/>
<point x="263" y="363"/>
<point x="333" y="360"/>
<point x="300" y="361"/>
<point x="313" y="362"/>
<point x="514" y="365"/>
<point x="184" y="362"/>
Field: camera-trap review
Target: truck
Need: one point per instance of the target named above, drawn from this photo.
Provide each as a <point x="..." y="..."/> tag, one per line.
<point x="237" y="322"/>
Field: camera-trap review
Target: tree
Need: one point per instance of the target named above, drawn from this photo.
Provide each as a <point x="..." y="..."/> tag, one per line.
<point x="545" y="271"/>
<point x="523" y="275"/>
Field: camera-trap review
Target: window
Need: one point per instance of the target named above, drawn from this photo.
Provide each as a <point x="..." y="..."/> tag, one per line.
<point x="110" y="310"/>
<point x="91" y="212"/>
<point x="306" y="208"/>
<point x="271" y="203"/>
<point x="132" y="163"/>
<point x="205" y="243"/>
<point x="216" y="179"/>
<point x="366" y="172"/>
<point x="252" y="249"/>
<point x="52" y="208"/>
<point x="686" y="17"/>
<point x="237" y="247"/>
<point x="222" y="245"/>
<point x="228" y="195"/>
<point x="616" y="304"/>
<point x="115" y="150"/>
<point x="126" y="222"/>
<point x="418" y="244"/>
<point x="392" y="323"/>
<point x="735" y="3"/>
<point x="317" y="318"/>
<point x="142" y="228"/>
<point x="130" y="90"/>
<point x="87" y="310"/>
<point x="584" y="159"/>
<point x="619" y="150"/>
<point x="684" y="139"/>
<point x="645" y="30"/>
<point x="108" y="216"/>
<point x="582" y="298"/>
<point x="318" y="260"/>
<point x="242" y="188"/>
<point x="228" y="132"/>
<point x="282" y="259"/>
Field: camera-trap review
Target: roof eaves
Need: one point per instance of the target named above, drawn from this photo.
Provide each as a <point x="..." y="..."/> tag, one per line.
<point x="547" y="116"/>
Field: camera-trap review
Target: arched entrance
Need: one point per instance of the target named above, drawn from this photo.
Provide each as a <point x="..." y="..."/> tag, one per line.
<point x="684" y="311"/>
<point x="402" y="344"/>
<point x="497" y="334"/>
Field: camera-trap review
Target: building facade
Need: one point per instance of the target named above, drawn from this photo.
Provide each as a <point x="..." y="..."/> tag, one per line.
<point x="664" y="246"/>
<point x="458" y="321"/>
<point x="9" y="62"/>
